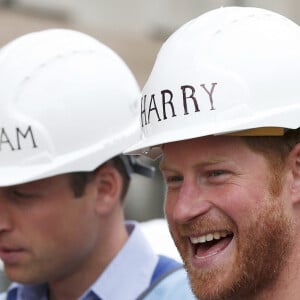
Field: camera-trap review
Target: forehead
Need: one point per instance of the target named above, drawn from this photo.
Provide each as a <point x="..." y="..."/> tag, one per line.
<point x="207" y="149"/>
<point x="54" y="182"/>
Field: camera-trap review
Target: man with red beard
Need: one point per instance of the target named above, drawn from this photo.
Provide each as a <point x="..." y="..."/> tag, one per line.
<point x="222" y="106"/>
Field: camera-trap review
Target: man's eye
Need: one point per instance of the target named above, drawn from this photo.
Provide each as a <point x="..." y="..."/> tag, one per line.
<point x="218" y="176"/>
<point x="23" y="195"/>
<point x="174" y="179"/>
<point x="216" y="173"/>
<point x="173" y="182"/>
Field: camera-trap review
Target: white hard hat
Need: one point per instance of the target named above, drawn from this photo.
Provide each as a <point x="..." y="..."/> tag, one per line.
<point x="229" y="70"/>
<point x="68" y="103"/>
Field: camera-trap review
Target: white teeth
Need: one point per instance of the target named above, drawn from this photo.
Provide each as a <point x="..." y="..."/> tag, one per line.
<point x="202" y="239"/>
<point x="217" y="235"/>
<point x="209" y="237"/>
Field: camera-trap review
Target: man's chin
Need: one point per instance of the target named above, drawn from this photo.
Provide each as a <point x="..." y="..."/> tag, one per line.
<point x="211" y="285"/>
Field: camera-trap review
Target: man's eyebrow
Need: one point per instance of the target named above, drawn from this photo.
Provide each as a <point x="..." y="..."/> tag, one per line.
<point x="163" y="165"/>
<point x="211" y="161"/>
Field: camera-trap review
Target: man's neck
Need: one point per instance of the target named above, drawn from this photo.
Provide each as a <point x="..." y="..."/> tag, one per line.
<point x="74" y="285"/>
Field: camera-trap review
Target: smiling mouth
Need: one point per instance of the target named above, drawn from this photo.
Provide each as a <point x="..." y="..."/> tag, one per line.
<point x="210" y="244"/>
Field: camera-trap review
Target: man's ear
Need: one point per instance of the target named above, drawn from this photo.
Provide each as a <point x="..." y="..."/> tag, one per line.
<point x="109" y="187"/>
<point x="294" y="158"/>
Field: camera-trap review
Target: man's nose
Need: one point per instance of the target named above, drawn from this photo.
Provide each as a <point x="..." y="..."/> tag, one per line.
<point x="5" y="218"/>
<point x="191" y="203"/>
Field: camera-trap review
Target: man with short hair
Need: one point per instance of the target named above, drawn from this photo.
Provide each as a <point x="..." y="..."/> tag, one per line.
<point x="222" y="106"/>
<point x="67" y="114"/>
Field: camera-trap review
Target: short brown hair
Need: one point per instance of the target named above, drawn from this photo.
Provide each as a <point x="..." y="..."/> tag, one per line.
<point x="275" y="149"/>
<point x="280" y="146"/>
<point x="79" y="180"/>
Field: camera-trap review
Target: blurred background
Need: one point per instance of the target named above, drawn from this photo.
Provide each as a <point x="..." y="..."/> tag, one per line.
<point x="135" y="29"/>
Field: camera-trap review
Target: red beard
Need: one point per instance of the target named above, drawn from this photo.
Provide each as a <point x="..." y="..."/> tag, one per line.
<point x="261" y="248"/>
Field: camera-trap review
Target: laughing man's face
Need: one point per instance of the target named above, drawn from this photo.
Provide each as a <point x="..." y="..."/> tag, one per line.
<point x="231" y="231"/>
